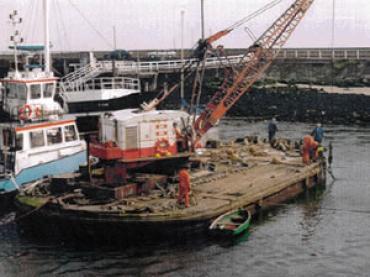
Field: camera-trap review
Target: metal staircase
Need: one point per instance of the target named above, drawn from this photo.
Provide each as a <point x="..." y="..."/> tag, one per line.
<point x="75" y="79"/>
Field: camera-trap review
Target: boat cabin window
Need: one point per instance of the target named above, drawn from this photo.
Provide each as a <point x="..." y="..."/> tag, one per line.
<point x="48" y="90"/>
<point x="54" y="135"/>
<point x="37" y="139"/>
<point x="16" y="91"/>
<point x="19" y="142"/>
<point x="35" y="91"/>
<point x="70" y="133"/>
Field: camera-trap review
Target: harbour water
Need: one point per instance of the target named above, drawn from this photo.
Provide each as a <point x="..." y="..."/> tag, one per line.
<point x="323" y="235"/>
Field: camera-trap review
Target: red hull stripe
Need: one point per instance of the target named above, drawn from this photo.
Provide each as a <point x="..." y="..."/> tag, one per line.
<point x="114" y="153"/>
<point x="44" y="125"/>
<point x="28" y="81"/>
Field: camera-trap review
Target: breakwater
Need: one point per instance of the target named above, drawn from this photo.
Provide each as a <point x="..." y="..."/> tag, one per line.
<point x="305" y="105"/>
<point x="295" y="104"/>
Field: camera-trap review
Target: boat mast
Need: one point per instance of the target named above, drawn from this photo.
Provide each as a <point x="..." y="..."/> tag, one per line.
<point x="15" y="38"/>
<point x="202" y="18"/>
<point x="46" y="36"/>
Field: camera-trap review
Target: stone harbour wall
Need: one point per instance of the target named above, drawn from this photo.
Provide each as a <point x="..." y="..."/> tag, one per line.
<point x="304" y="105"/>
<point x="292" y="104"/>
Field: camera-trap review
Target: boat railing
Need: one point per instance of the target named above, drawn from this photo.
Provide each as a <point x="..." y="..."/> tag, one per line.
<point x="109" y="83"/>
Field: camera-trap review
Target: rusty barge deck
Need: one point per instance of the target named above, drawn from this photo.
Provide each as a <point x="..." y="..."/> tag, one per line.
<point x="271" y="177"/>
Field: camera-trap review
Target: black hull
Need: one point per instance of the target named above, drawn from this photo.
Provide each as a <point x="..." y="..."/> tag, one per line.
<point x="131" y="101"/>
<point x="104" y="229"/>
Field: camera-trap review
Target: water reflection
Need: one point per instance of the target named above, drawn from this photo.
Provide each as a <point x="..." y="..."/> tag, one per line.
<point x="320" y="234"/>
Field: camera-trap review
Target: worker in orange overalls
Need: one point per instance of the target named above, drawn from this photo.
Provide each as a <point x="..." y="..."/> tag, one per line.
<point x="184" y="186"/>
<point x="309" y="149"/>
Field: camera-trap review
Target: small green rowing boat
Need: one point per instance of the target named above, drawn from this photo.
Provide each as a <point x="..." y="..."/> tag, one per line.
<point x="232" y="223"/>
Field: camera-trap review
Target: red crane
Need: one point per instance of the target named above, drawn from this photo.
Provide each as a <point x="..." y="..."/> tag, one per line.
<point x="254" y="63"/>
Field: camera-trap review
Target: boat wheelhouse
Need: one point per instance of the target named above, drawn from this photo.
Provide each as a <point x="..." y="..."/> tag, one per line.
<point x="29" y="95"/>
<point x="31" y="151"/>
<point x="101" y="94"/>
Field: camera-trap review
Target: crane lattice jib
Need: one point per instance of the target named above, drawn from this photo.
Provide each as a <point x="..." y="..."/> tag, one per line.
<point x="254" y="63"/>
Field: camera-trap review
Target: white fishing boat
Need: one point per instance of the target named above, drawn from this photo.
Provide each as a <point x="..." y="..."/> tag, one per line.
<point x="33" y="150"/>
<point x="29" y="95"/>
<point x="34" y="140"/>
<point x="101" y="94"/>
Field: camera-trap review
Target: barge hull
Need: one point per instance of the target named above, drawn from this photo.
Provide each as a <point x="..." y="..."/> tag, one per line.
<point x="85" y="225"/>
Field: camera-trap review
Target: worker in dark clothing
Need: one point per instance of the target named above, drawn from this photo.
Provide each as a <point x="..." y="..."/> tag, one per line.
<point x="318" y="133"/>
<point x="201" y="49"/>
<point x="184" y="186"/>
<point x="179" y="138"/>
<point x="272" y="129"/>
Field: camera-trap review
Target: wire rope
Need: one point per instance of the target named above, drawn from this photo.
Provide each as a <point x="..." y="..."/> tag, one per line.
<point x="255" y="14"/>
<point x="91" y="25"/>
<point x="64" y="29"/>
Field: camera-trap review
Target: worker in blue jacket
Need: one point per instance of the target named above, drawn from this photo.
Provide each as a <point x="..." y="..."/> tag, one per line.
<point x="318" y="133"/>
<point x="272" y="129"/>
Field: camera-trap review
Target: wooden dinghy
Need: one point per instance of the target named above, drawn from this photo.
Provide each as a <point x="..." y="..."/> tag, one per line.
<point x="232" y="223"/>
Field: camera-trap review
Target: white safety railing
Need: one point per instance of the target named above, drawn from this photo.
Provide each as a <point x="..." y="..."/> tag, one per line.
<point x="109" y="83"/>
<point x="75" y="80"/>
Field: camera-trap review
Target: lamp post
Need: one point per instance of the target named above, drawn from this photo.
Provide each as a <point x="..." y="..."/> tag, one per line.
<point x="182" y="85"/>
<point x="202" y="17"/>
<point x="46" y="36"/>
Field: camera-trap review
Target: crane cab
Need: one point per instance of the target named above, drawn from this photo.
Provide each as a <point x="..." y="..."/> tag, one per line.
<point x="130" y="135"/>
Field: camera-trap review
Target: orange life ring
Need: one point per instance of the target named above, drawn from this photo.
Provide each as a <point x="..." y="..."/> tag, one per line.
<point x="161" y="147"/>
<point x="38" y="112"/>
<point x="25" y="112"/>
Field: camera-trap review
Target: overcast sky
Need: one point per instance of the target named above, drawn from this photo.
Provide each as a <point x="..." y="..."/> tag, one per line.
<point x="155" y="24"/>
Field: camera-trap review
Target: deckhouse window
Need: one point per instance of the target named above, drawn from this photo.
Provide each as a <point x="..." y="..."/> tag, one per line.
<point x="70" y="133"/>
<point x="48" y="90"/>
<point x="11" y="91"/>
<point x="54" y="136"/>
<point x="22" y="91"/>
<point x="36" y="91"/>
<point x="16" y="91"/>
<point x="37" y="139"/>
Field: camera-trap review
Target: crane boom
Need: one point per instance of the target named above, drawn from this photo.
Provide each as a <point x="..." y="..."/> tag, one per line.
<point x="254" y="63"/>
<point x="200" y="55"/>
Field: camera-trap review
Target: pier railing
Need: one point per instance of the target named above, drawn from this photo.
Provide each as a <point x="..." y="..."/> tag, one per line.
<point x="85" y="73"/>
<point x="76" y="79"/>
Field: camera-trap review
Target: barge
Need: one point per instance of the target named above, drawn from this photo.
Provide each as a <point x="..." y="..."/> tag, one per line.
<point x="129" y="190"/>
<point x="239" y="175"/>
